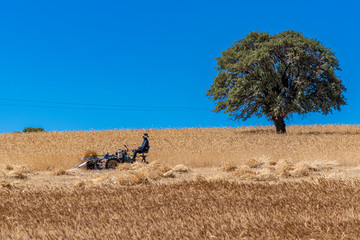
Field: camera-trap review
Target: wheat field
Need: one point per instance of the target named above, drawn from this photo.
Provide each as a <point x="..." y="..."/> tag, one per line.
<point x="201" y="183"/>
<point x="322" y="209"/>
<point x="195" y="147"/>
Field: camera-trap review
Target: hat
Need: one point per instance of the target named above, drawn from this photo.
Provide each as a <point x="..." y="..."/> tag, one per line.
<point x="145" y="135"/>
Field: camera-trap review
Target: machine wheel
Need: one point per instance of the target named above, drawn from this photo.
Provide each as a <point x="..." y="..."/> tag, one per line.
<point x="111" y="163"/>
<point x="90" y="166"/>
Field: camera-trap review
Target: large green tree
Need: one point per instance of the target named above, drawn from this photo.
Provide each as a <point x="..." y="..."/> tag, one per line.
<point x="276" y="76"/>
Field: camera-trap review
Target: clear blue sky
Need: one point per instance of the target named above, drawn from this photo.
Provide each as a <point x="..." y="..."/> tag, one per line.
<point x="89" y="55"/>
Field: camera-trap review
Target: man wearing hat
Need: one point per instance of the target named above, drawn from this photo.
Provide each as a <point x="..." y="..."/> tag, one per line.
<point x="144" y="147"/>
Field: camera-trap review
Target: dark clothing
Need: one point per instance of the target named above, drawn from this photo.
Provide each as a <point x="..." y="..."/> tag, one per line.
<point x="135" y="153"/>
<point x="143" y="148"/>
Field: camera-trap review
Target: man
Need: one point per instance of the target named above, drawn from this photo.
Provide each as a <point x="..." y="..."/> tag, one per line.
<point x="144" y="147"/>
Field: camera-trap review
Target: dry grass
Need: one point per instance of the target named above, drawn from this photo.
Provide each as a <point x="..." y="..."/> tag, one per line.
<point x="133" y="179"/>
<point x="14" y="172"/>
<point x="190" y="210"/>
<point x="230" y="168"/>
<point x="60" y="171"/>
<point x="18" y="174"/>
<point x="181" y="168"/>
<point x="203" y="147"/>
<point x="90" y="154"/>
<point x="135" y="174"/>
<point x="5" y="184"/>
<point x="9" y="167"/>
<point x="264" y="169"/>
<point x="218" y="183"/>
<point x="169" y="174"/>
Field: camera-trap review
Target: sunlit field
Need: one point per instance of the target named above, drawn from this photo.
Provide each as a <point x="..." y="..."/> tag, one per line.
<point x="324" y="209"/>
<point x="202" y="147"/>
<point x="205" y="183"/>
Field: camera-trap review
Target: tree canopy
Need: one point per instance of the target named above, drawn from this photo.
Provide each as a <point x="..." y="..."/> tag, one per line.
<point x="276" y="76"/>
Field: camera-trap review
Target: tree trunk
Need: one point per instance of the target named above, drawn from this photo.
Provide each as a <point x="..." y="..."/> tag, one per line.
<point x="279" y="124"/>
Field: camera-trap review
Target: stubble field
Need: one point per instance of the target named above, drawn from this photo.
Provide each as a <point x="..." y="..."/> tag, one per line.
<point x="216" y="183"/>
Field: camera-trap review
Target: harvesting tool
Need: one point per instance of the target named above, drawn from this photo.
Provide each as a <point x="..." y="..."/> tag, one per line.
<point x="108" y="161"/>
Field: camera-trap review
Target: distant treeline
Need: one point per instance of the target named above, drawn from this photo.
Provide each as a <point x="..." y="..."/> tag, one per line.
<point x="33" y="129"/>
